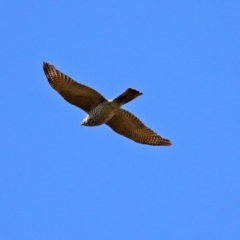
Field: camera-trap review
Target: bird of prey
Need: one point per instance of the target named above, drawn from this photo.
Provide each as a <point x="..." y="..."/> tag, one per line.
<point x="102" y="111"/>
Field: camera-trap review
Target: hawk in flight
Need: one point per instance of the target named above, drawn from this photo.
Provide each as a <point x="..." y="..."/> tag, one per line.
<point x="100" y="110"/>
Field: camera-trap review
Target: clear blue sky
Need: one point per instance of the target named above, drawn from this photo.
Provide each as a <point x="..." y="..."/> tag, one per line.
<point x="59" y="180"/>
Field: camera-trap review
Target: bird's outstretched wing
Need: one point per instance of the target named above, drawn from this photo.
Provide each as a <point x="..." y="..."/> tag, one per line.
<point x="75" y="93"/>
<point x="126" y="124"/>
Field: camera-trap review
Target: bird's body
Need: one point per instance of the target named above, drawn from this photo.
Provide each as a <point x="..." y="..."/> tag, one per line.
<point x="104" y="111"/>
<point x="101" y="111"/>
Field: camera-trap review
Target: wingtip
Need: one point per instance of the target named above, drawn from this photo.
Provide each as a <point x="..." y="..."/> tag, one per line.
<point x="45" y="64"/>
<point x="47" y="67"/>
<point x="167" y="142"/>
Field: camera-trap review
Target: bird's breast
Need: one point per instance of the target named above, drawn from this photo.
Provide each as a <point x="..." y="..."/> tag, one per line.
<point x="103" y="112"/>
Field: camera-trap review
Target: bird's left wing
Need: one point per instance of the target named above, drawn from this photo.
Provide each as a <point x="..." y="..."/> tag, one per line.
<point x="75" y="93"/>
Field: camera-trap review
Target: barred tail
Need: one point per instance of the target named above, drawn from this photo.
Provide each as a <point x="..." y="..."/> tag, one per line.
<point x="127" y="96"/>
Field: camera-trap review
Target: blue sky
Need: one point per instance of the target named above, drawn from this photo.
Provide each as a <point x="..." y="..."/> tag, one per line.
<point x="63" y="181"/>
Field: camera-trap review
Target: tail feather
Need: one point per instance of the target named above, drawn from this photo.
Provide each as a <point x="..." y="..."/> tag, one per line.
<point x="127" y="96"/>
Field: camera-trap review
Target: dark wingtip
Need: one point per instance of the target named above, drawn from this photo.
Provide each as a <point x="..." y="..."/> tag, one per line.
<point x="47" y="68"/>
<point x="167" y="142"/>
<point x="45" y="64"/>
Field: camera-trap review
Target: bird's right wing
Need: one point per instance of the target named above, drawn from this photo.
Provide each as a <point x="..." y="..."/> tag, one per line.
<point x="128" y="125"/>
<point x="75" y="93"/>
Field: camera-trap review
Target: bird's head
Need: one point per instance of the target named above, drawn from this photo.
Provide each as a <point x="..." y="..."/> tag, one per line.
<point x="87" y="121"/>
<point x="84" y="122"/>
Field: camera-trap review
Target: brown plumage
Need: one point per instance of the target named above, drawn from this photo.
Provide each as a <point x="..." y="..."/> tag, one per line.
<point x="75" y="93"/>
<point x="128" y="125"/>
<point x="100" y="110"/>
